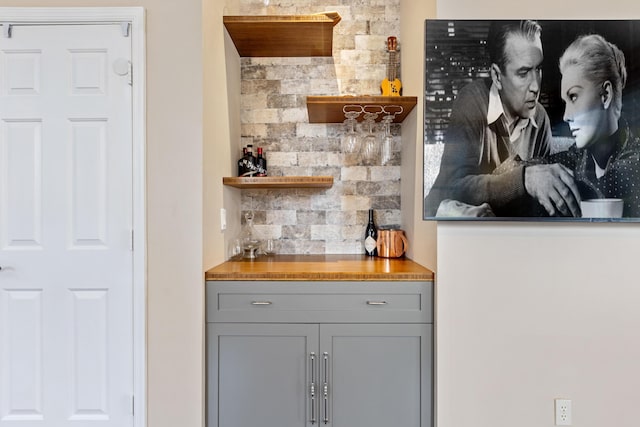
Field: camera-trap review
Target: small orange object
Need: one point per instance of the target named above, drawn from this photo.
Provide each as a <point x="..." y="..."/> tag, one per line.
<point x="391" y="86"/>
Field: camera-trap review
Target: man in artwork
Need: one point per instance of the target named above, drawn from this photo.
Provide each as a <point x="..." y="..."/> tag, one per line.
<point x="496" y="125"/>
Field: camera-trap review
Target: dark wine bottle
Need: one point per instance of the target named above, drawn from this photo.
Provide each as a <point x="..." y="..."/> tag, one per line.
<point x="261" y="164"/>
<point x="241" y="162"/>
<point x="250" y="168"/>
<point x="370" y="237"/>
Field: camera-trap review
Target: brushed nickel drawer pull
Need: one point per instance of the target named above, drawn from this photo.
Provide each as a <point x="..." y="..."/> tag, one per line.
<point x="261" y="303"/>
<point x="376" y="302"/>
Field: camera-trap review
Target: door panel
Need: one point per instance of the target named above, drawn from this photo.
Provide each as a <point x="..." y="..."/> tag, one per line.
<point x="379" y="375"/>
<point x="89" y="373"/>
<point x="88" y="184"/>
<point x="22" y="347"/>
<point x="66" y="283"/>
<point x="262" y="374"/>
<point x="22" y="210"/>
<point x="22" y="71"/>
<point x="88" y="71"/>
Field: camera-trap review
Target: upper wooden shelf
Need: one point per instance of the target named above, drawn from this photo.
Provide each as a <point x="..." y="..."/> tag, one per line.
<point x="279" y="181"/>
<point x="330" y="109"/>
<point x="281" y="36"/>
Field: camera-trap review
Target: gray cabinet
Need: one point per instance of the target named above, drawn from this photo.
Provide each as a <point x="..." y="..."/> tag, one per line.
<point x="258" y="373"/>
<point x="379" y="375"/>
<point x="340" y="354"/>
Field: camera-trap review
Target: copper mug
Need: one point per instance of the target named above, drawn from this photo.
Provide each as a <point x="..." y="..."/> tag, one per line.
<point x="391" y="243"/>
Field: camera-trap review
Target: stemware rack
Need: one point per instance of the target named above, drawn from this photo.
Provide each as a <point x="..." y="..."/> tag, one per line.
<point x="330" y="109"/>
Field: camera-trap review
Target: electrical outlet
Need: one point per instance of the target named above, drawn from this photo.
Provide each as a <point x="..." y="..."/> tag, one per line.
<point x="563" y="412"/>
<point x="223" y="219"/>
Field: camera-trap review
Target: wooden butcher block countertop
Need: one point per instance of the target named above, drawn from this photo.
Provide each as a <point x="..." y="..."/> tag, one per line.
<point x="320" y="268"/>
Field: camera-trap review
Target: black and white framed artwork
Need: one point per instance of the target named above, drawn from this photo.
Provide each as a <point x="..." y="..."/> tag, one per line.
<point x="534" y="120"/>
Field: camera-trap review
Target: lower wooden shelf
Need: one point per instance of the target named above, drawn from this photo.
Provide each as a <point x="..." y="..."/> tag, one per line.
<point x="279" y="181"/>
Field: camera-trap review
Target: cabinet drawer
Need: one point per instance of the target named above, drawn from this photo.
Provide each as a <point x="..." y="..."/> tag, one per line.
<point x="384" y="302"/>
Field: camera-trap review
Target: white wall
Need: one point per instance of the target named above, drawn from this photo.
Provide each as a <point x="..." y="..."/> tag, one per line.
<point x="527" y="312"/>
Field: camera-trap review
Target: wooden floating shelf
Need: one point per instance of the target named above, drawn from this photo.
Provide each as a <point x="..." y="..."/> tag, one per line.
<point x="283" y="36"/>
<point x="329" y="109"/>
<point x="279" y="182"/>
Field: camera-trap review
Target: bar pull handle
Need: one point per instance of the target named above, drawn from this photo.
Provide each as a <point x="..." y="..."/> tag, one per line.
<point x="312" y="387"/>
<point x="325" y="387"/>
<point x="376" y="303"/>
<point x="261" y="303"/>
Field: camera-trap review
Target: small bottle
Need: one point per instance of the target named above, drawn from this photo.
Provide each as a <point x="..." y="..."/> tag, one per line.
<point x="370" y="237"/>
<point x="261" y="164"/>
<point x="249" y="162"/>
<point x="241" y="162"/>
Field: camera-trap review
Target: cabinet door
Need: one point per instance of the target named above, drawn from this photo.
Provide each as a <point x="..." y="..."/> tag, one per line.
<point x="260" y="374"/>
<point x="378" y="375"/>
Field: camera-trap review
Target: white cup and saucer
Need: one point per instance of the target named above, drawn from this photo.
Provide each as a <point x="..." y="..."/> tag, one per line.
<point x="602" y="208"/>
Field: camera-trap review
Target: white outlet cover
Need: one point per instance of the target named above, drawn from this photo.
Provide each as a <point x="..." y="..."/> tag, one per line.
<point x="563" y="412"/>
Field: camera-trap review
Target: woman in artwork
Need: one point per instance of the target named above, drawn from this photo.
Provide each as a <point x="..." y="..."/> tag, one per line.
<point x="605" y="158"/>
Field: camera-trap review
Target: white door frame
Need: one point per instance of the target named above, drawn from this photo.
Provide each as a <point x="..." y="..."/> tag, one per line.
<point x="135" y="16"/>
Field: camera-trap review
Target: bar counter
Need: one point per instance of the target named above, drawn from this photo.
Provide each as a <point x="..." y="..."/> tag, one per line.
<point x="320" y="268"/>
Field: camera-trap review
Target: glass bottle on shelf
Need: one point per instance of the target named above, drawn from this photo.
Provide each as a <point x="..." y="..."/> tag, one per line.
<point x="261" y="163"/>
<point x="249" y="238"/>
<point x="370" y="237"/>
<point x="242" y="162"/>
<point x="250" y="162"/>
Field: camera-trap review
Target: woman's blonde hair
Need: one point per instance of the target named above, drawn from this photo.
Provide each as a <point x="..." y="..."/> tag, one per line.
<point x="600" y="60"/>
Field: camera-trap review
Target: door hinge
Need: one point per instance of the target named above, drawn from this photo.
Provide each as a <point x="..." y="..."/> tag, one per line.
<point x="130" y="73"/>
<point x="131" y="240"/>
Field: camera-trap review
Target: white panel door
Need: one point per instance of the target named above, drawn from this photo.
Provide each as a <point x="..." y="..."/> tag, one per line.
<point x="66" y="278"/>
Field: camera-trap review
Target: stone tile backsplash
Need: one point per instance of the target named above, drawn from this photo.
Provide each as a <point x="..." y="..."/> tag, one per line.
<point x="274" y="117"/>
